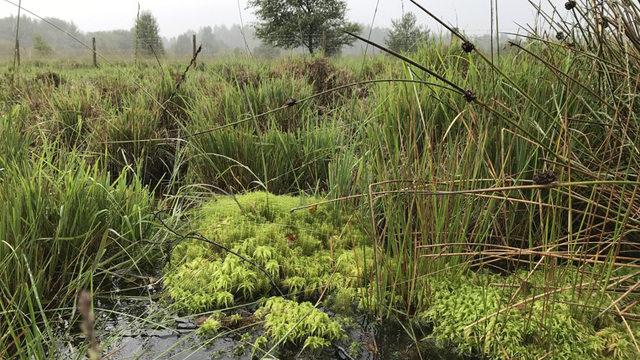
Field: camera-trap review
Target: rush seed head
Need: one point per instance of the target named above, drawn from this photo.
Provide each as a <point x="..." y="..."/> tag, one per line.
<point x="468" y="47"/>
<point x="470" y="96"/>
<point x="544" y="177"/>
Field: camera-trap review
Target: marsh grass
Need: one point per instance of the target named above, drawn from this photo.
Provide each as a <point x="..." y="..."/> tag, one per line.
<point x="443" y="188"/>
<point x="63" y="221"/>
<point x="458" y="199"/>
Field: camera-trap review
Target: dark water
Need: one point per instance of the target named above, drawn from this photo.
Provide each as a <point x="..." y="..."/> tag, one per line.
<point x="133" y="325"/>
<point x="377" y="342"/>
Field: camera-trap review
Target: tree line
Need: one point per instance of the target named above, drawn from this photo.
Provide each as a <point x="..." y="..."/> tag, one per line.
<point x="36" y="36"/>
<point x="298" y="26"/>
<point x="42" y="39"/>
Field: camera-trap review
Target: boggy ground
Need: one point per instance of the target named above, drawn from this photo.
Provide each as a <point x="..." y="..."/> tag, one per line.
<point x="503" y="225"/>
<point x="324" y="265"/>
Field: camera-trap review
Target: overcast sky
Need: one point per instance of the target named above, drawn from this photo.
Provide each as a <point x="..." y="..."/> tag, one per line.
<point x="176" y="17"/>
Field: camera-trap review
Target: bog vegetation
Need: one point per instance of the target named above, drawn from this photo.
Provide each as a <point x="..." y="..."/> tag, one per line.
<point x="487" y="203"/>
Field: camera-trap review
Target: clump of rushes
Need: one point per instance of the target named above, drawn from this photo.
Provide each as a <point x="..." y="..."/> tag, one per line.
<point x="63" y="221"/>
<point x="306" y="252"/>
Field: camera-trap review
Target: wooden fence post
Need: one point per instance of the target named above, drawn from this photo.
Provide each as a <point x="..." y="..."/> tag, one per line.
<point x="193" y="53"/>
<point x="95" y="58"/>
<point x="16" y="55"/>
<point x="17" y="50"/>
<point x="136" y="39"/>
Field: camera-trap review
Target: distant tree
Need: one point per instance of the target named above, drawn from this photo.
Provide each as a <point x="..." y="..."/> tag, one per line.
<point x="405" y="34"/>
<point x="147" y="35"/>
<point x="290" y="24"/>
<point x="210" y="43"/>
<point x="29" y="27"/>
<point x="114" y="42"/>
<point x="375" y="34"/>
<point x="236" y="37"/>
<point x="59" y="39"/>
<point x="182" y="46"/>
<point x="41" y="47"/>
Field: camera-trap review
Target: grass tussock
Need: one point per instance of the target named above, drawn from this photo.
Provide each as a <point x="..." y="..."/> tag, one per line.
<point x="63" y="221"/>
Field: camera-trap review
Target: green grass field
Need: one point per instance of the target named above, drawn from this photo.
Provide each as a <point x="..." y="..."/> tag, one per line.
<point x="504" y="225"/>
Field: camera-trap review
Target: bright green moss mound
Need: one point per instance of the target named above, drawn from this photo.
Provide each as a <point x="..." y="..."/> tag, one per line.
<point x="299" y="324"/>
<point x="305" y="251"/>
<point x="528" y="331"/>
<point x="209" y="327"/>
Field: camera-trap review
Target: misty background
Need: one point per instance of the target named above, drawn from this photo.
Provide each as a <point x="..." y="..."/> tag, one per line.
<point x="217" y="25"/>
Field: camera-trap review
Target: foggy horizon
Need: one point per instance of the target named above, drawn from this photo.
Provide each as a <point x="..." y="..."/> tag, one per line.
<point x="471" y="16"/>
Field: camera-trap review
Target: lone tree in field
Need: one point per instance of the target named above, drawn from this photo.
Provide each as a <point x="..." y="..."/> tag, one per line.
<point x="147" y="35"/>
<point x="405" y="34"/>
<point x="303" y="23"/>
<point x="40" y="46"/>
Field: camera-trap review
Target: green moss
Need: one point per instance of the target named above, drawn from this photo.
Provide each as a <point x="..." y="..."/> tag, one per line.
<point x="238" y="350"/>
<point x="308" y="252"/>
<point x="355" y="349"/>
<point x="527" y="332"/>
<point x="288" y="321"/>
<point x="258" y="345"/>
<point x="209" y="327"/>
<point x="305" y="252"/>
